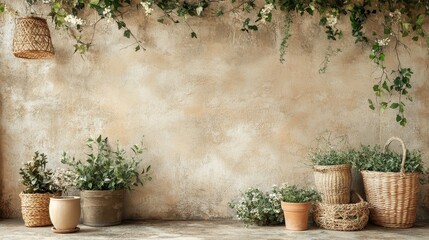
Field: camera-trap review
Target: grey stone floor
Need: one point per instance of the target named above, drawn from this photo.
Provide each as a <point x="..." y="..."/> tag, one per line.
<point x="197" y="230"/>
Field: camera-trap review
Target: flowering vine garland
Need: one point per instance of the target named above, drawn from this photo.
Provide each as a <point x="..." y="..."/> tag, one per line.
<point x="401" y="19"/>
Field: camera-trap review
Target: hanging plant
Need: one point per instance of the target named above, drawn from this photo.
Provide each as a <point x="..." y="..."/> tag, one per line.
<point x="401" y="19"/>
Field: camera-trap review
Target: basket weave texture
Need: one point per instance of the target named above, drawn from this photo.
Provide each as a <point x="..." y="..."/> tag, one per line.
<point x="334" y="183"/>
<point x="342" y="217"/>
<point x="392" y="195"/>
<point x="35" y="209"/>
<point x="32" y="38"/>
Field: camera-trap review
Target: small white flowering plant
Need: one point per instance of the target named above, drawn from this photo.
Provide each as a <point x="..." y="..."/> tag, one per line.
<point x="258" y="207"/>
<point x="36" y="177"/>
<point x="64" y="179"/>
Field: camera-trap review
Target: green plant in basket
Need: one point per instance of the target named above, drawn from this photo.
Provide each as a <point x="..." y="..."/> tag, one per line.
<point x="36" y="177"/>
<point x="107" y="169"/>
<point x="373" y="158"/>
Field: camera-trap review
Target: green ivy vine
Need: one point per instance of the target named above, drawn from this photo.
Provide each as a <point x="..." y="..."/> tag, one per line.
<point x="400" y="19"/>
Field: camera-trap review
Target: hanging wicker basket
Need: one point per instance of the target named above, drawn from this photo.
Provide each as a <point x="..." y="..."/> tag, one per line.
<point x="392" y="195"/>
<point x="35" y="209"/>
<point x="334" y="183"/>
<point x="32" y="38"/>
<point x="342" y="217"/>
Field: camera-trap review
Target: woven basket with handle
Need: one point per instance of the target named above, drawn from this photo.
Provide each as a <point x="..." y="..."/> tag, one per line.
<point x="392" y="195"/>
<point x="342" y="217"/>
<point x="32" y="38"/>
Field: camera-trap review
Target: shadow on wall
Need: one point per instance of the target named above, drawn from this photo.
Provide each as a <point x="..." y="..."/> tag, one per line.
<point x="5" y="208"/>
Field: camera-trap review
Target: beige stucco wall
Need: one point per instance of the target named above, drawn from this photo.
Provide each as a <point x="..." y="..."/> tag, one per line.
<point x="219" y="113"/>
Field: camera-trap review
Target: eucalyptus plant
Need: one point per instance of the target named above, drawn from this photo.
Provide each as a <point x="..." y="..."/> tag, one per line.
<point x="107" y="169"/>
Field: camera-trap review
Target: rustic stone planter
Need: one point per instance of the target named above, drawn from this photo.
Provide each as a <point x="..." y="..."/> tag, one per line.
<point x="102" y="208"/>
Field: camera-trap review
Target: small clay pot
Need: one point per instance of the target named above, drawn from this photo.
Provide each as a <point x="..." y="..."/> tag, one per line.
<point x="296" y="215"/>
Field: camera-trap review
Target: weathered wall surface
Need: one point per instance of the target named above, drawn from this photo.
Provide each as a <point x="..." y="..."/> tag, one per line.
<point x="219" y="113"/>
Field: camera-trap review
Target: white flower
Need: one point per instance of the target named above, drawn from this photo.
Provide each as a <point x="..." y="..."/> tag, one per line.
<point x="396" y="15"/>
<point x="73" y="20"/>
<point x="107" y="13"/>
<point x="199" y="10"/>
<point x="147" y="8"/>
<point x="331" y="20"/>
<point x="265" y="11"/>
<point x="383" y="42"/>
<point x="46" y="1"/>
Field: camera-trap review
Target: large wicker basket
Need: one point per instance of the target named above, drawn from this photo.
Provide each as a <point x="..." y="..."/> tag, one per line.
<point x="32" y="38"/>
<point x="342" y="217"/>
<point x="333" y="182"/>
<point x="392" y="195"/>
<point x="35" y="209"/>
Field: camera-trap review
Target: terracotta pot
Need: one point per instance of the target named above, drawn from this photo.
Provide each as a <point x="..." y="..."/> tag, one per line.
<point x="102" y="208"/>
<point x="296" y="215"/>
<point x="65" y="213"/>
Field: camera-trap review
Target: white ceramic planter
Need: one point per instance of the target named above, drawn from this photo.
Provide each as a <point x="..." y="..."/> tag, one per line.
<point x="65" y="214"/>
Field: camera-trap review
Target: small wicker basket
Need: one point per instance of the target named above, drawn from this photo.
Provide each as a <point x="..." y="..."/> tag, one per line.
<point x="333" y="182"/>
<point x="392" y="195"/>
<point x="32" y="38"/>
<point x="35" y="209"/>
<point x="342" y="217"/>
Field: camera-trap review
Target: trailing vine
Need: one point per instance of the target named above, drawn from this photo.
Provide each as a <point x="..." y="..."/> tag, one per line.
<point x="400" y="19"/>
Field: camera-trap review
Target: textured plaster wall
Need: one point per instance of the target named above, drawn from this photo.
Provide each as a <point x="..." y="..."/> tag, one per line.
<point x="219" y="113"/>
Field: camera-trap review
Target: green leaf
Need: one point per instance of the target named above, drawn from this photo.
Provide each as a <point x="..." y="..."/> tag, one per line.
<point x="127" y="33"/>
<point x="94" y="2"/>
<point x="420" y="19"/>
<point x="394" y="105"/>
<point x="371" y="104"/>
<point x="193" y="35"/>
<point x="137" y="48"/>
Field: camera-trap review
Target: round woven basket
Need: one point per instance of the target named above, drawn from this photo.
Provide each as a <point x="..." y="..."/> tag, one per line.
<point x="32" y="38"/>
<point x="334" y="183"/>
<point x="392" y="195"/>
<point x="342" y="217"/>
<point x="35" y="209"/>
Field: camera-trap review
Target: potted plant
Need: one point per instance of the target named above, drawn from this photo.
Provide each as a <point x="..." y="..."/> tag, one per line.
<point x="102" y="179"/>
<point x="64" y="210"/>
<point x="296" y="203"/>
<point x="39" y="187"/>
<point x="331" y="168"/>
<point x="332" y="175"/>
<point x="391" y="183"/>
<point x="258" y="207"/>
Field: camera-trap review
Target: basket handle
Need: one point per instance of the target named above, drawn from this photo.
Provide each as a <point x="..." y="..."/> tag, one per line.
<point x="358" y="195"/>
<point x="404" y="151"/>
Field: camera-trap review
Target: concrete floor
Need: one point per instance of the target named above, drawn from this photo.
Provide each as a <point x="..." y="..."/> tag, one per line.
<point x="196" y="230"/>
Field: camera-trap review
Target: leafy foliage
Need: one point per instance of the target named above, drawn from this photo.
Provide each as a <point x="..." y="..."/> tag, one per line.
<point x="105" y="169"/>
<point x="330" y="157"/>
<point x="296" y="194"/>
<point x="264" y="208"/>
<point x="36" y="177"/>
<point x="373" y="158"/>
<point x="400" y="19"/>
<point x="258" y="207"/>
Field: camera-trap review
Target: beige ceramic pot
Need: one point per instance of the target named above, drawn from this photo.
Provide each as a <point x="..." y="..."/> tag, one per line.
<point x="296" y="215"/>
<point x="65" y="214"/>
